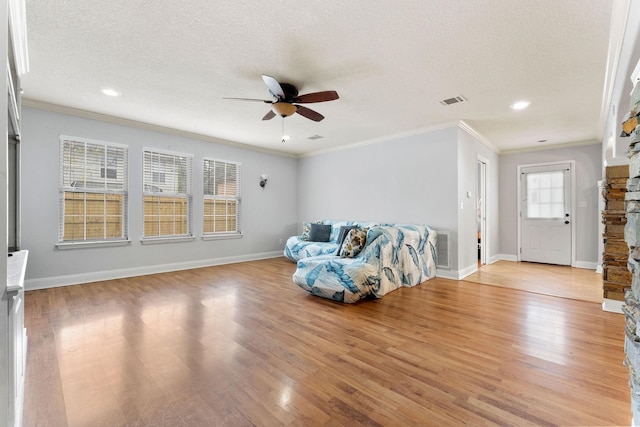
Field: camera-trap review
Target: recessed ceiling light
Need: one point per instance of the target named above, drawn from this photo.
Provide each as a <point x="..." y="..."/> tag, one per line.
<point x="110" y="92"/>
<point x="520" y="105"/>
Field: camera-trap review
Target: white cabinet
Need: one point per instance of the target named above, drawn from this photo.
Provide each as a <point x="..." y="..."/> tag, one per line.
<point x="13" y="336"/>
<point x="16" y="266"/>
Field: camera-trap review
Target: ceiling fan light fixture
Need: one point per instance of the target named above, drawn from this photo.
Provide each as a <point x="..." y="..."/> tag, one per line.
<point x="283" y="109"/>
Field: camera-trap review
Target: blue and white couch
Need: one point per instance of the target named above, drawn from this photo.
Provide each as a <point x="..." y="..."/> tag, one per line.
<point x="394" y="255"/>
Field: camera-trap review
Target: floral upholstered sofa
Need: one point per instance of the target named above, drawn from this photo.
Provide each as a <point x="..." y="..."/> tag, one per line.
<point x="391" y="256"/>
<point x="299" y="247"/>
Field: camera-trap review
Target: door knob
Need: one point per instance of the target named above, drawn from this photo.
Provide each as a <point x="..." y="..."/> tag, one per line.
<point x="566" y="222"/>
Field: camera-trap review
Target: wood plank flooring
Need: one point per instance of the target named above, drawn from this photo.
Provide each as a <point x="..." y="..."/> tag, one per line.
<point x="556" y="280"/>
<point x="241" y="344"/>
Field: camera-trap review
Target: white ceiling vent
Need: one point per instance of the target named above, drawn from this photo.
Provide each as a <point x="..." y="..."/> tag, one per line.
<point x="454" y="100"/>
<point x="314" y="137"/>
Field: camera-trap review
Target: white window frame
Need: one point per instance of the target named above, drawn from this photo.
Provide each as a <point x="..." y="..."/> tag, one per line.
<point x="69" y="183"/>
<point x="156" y="189"/>
<point x="549" y="190"/>
<point x="207" y="171"/>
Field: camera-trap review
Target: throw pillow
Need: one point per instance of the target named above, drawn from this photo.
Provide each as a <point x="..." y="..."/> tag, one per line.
<point x="343" y="232"/>
<point x="354" y="242"/>
<point x="306" y="230"/>
<point x="320" y="233"/>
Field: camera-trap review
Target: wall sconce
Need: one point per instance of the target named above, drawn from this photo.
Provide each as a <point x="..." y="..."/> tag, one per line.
<point x="263" y="180"/>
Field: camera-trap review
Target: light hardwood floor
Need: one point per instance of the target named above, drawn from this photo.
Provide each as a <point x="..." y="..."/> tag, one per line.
<point x="556" y="280"/>
<point x="242" y="345"/>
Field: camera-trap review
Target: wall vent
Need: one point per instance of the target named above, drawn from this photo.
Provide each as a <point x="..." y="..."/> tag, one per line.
<point x="314" y="137"/>
<point x="443" y="249"/>
<point x="454" y="100"/>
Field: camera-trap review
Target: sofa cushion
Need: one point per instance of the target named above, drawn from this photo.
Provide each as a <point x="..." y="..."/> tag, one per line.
<point x="320" y="233"/>
<point x="353" y="243"/>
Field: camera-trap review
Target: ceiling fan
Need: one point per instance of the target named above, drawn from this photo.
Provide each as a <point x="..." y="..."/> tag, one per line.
<point x="287" y="99"/>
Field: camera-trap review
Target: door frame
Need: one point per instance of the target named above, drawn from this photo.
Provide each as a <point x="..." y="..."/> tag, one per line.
<point x="572" y="166"/>
<point x="484" y="195"/>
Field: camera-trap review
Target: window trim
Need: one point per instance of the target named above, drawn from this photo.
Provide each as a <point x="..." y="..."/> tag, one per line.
<point x="90" y="244"/>
<point x="167" y="239"/>
<point x="62" y="189"/>
<point x="223" y="235"/>
<point x="188" y="196"/>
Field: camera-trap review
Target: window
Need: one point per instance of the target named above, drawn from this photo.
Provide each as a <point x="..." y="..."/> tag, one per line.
<point x="93" y="191"/>
<point x="545" y="195"/>
<point x="167" y="194"/>
<point x="221" y="197"/>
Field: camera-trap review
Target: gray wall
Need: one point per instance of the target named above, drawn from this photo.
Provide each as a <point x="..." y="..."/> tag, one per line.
<point x="411" y="179"/>
<point x="407" y="180"/>
<point x="415" y="179"/>
<point x="588" y="163"/>
<point x="469" y="148"/>
<point x="268" y="215"/>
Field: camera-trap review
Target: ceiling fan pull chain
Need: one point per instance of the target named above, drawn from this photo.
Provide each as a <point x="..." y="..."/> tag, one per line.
<point x="282" y="133"/>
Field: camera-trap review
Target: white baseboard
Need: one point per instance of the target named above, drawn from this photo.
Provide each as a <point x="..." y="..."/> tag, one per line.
<point x="457" y="274"/>
<point x="493" y="259"/>
<point x="506" y="257"/>
<point x="613" y="306"/>
<point x="467" y="271"/>
<point x="599" y="269"/>
<point x="76" y="279"/>
<point x="586" y="264"/>
<point x="447" y="274"/>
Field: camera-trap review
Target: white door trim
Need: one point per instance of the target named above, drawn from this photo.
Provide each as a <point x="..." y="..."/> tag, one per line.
<point x="484" y="242"/>
<point x="572" y="164"/>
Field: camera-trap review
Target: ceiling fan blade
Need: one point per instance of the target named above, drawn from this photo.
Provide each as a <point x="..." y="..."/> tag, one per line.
<point x="270" y="115"/>
<point x="250" y="99"/>
<point x="327" y="95"/>
<point x="309" y="113"/>
<point x="274" y="86"/>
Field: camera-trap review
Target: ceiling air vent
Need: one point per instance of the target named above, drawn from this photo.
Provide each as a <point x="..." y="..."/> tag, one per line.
<point x="314" y="137"/>
<point x="453" y="100"/>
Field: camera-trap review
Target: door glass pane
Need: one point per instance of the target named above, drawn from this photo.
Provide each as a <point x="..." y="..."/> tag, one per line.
<point x="545" y="195"/>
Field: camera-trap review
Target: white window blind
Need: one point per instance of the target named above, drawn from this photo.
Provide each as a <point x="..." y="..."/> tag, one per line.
<point x="167" y="194"/>
<point x="221" y="197"/>
<point x="93" y="190"/>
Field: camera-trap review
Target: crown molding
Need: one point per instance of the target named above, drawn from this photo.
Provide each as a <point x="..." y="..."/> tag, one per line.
<point x="617" y="32"/>
<point x="386" y="138"/>
<point x="551" y="147"/>
<point x="477" y="135"/>
<point x="56" y="108"/>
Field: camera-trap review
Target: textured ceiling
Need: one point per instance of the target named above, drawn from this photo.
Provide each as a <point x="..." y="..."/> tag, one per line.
<point x="391" y="62"/>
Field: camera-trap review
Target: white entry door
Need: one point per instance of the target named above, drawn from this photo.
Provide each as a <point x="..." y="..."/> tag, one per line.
<point x="546" y="214"/>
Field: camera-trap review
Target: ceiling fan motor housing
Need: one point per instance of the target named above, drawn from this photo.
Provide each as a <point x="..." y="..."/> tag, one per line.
<point x="290" y="92"/>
